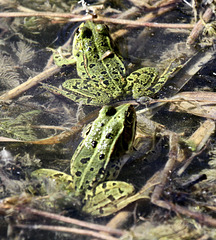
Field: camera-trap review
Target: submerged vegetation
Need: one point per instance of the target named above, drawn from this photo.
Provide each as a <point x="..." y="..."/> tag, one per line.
<point x="172" y="162"/>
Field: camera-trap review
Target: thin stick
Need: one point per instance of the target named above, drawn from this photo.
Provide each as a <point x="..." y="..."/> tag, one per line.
<point x="198" y="28"/>
<point x="67" y="230"/>
<point x="143" y="24"/>
<point x="29" y="83"/>
<point x="43" y="14"/>
<point x="77" y="18"/>
<point x="75" y="221"/>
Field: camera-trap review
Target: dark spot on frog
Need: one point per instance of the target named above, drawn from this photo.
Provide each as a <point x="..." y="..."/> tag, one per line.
<point x="136" y="73"/>
<point x="75" y="87"/>
<point x="109" y="135"/>
<point x="111" y="111"/>
<point x="114" y="184"/>
<point x="114" y="175"/>
<point x="116" y="79"/>
<point x="87" y="182"/>
<point x="82" y="64"/>
<point x="92" y="169"/>
<point x="102" y="124"/>
<point x="89" y="188"/>
<point x="101" y="156"/>
<point x="91" y="65"/>
<point x="78" y="173"/>
<point x="111" y="198"/>
<point x="77" y="55"/>
<point x="94" y="144"/>
<point x="58" y="175"/>
<point x="101" y="211"/>
<point x="93" y="76"/>
<point x="106" y="82"/>
<point x="96" y="56"/>
<point x="84" y="160"/>
<point x="101" y="171"/>
<point x="104" y="185"/>
<point x="103" y="72"/>
<point x="129" y="79"/>
<point x="117" y="168"/>
<point x="120" y="191"/>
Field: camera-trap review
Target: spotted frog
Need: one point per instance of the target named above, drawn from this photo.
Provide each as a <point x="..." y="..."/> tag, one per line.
<point x="102" y="72"/>
<point x="98" y="160"/>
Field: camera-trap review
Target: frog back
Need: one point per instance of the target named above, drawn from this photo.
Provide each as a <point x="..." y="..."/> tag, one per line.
<point x="93" y="161"/>
<point x="96" y="58"/>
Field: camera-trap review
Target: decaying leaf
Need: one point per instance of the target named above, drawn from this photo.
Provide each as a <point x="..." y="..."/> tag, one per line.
<point x="202" y="104"/>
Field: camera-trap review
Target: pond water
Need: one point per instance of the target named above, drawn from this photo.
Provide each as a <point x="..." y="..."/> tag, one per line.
<point x="39" y="129"/>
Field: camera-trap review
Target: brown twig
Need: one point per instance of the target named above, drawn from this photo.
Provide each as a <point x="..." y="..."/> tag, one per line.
<point x="15" y="92"/>
<point x="198" y="28"/>
<point x="133" y="23"/>
<point x="67" y="230"/>
<point x="78" y="18"/>
<point x="199" y="217"/>
<point x="75" y="221"/>
<point x="43" y="14"/>
<point x="155" y="198"/>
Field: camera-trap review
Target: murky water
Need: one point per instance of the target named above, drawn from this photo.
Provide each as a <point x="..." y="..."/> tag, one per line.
<point x="32" y="114"/>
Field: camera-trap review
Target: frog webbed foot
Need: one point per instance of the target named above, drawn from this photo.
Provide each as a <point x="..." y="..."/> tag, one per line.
<point x="63" y="57"/>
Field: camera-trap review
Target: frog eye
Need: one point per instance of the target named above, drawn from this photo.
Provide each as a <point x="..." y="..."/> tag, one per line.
<point x="86" y="32"/>
<point x="103" y="29"/>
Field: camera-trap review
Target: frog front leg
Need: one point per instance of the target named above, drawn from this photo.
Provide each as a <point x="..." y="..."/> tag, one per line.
<point x="107" y="198"/>
<point x="61" y="180"/>
<point x="142" y="81"/>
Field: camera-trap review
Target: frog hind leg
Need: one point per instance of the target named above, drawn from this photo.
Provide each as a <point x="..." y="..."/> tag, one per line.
<point x="88" y="89"/>
<point x="107" y="198"/>
<point x="76" y="94"/>
<point x="61" y="180"/>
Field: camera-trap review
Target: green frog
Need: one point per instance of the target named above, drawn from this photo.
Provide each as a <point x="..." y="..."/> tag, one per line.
<point x="97" y="162"/>
<point x="102" y="72"/>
